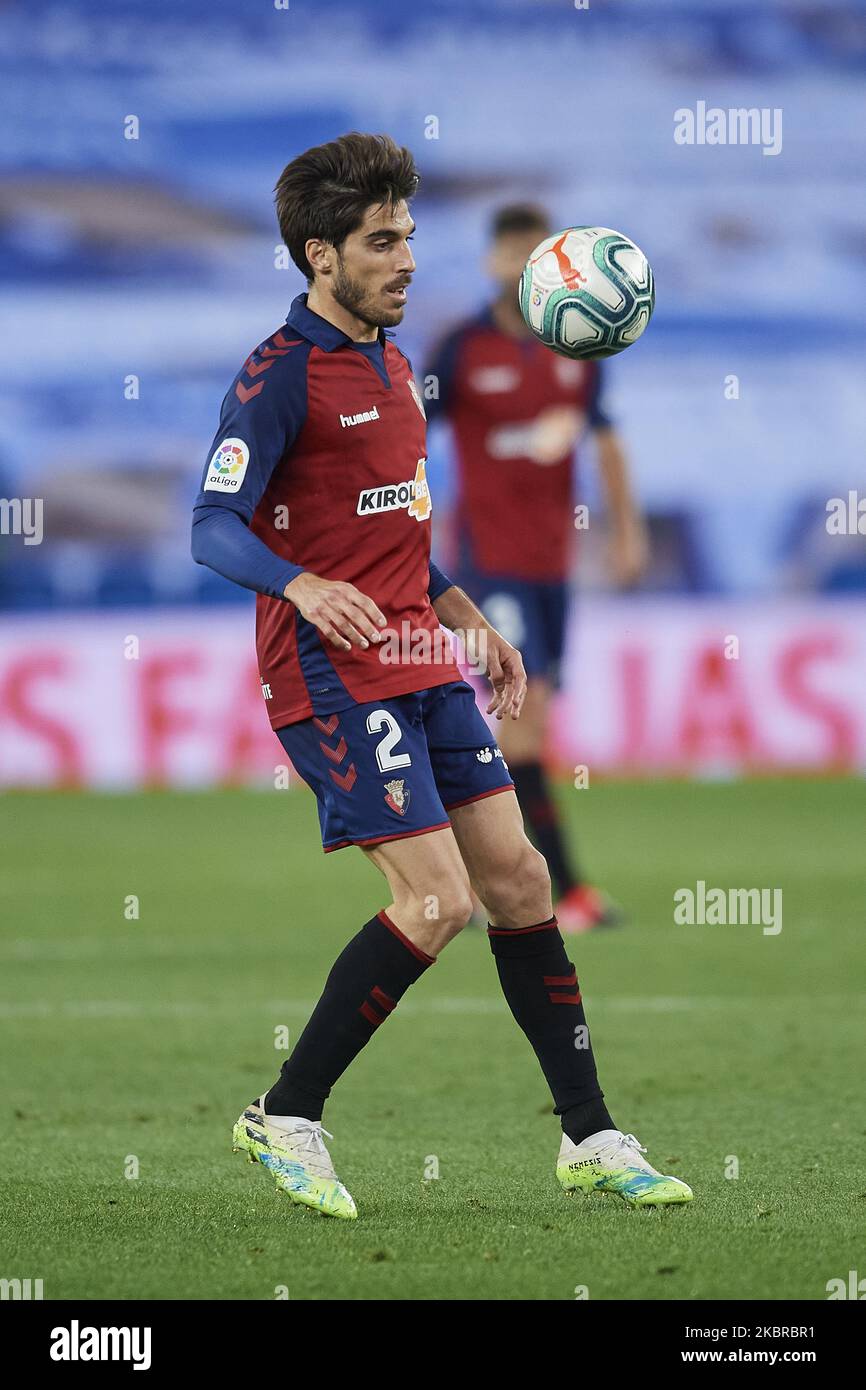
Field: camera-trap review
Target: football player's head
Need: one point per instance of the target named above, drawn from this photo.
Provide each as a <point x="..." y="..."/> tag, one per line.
<point x="515" y="231"/>
<point x="343" y="210"/>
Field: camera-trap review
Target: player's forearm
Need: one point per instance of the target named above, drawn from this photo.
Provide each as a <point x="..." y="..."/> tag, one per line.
<point x="456" y="611"/>
<point x="222" y="541"/>
<point x="621" y="504"/>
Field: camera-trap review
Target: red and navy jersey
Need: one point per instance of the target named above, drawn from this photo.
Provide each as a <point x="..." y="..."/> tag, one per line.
<point x="321" y="451"/>
<point x="515" y="409"/>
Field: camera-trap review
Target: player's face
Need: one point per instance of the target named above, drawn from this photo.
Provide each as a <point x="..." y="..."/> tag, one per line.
<point x="509" y="254"/>
<point x="375" y="265"/>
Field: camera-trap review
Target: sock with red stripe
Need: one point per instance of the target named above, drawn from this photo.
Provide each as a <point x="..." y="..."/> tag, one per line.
<point x="541" y="987"/>
<point x="366" y="982"/>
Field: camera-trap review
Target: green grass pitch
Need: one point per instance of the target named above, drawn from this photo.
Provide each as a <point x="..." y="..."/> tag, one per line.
<point x="134" y="1044"/>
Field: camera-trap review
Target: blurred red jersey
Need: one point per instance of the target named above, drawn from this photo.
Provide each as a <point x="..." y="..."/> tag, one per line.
<point x="516" y="410"/>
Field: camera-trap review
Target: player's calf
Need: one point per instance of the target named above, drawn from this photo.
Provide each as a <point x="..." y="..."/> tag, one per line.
<point x="365" y="985"/>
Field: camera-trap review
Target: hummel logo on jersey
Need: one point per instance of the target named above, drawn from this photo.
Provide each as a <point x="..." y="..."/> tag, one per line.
<point x="413" y="497"/>
<point x="362" y="418"/>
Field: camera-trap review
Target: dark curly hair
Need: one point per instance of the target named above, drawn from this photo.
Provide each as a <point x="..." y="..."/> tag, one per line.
<point x="325" y="192"/>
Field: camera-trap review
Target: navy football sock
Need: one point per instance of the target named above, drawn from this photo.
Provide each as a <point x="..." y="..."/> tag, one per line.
<point x="539" y="808"/>
<point x="365" y="983"/>
<point x="541" y="987"/>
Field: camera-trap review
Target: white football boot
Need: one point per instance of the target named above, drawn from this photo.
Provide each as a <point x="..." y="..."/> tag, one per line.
<point x="293" y="1150"/>
<point x="611" y="1162"/>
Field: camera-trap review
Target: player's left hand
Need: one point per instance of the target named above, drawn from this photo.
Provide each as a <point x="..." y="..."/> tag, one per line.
<point x="506" y="674"/>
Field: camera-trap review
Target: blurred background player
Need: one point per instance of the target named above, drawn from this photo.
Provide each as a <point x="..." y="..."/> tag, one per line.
<point x="517" y="412"/>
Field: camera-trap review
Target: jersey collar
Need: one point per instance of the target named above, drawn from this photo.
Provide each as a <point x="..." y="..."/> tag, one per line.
<point x="318" y="330"/>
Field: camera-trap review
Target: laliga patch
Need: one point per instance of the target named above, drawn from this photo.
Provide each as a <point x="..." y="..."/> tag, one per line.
<point x="227" y="468"/>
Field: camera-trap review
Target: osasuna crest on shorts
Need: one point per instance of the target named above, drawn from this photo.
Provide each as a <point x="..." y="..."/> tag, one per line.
<point x="397" y="796"/>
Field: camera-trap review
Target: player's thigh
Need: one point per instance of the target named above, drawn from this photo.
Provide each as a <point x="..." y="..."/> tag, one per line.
<point x="429" y="887"/>
<point x="505" y="869"/>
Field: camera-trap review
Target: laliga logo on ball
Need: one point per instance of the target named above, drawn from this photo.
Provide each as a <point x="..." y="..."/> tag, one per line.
<point x="587" y="292"/>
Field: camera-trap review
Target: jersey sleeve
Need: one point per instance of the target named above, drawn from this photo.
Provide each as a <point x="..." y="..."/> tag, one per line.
<point x="438" y="583"/>
<point x="261" y="417"/>
<point x="597" y="412"/>
<point x="223" y="542"/>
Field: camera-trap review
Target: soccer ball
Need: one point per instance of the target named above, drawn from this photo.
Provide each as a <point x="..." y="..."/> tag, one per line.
<point x="587" y="292"/>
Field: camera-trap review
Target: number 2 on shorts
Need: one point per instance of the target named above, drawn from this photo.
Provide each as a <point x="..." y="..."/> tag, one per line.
<point x="386" y="759"/>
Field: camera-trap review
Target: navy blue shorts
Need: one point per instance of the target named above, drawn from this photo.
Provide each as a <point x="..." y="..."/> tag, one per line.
<point x="530" y="614"/>
<point x="392" y="768"/>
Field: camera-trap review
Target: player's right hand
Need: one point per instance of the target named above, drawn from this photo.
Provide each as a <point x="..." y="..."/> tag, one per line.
<point x="507" y="675"/>
<point x="345" y="616"/>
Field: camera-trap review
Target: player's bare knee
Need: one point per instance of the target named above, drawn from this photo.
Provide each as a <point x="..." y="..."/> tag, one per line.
<point x="537" y="880"/>
<point x="523" y="893"/>
<point x="433" y="919"/>
<point x="454" y="908"/>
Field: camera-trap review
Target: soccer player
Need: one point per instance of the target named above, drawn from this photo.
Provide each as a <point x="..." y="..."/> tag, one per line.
<point x="315" y="495"/>
<point x="516" y="412"/>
